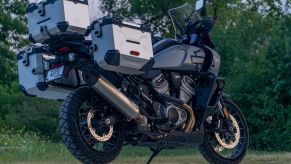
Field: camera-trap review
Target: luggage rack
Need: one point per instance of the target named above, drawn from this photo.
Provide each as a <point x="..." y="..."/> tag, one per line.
<point x="69" y="39"/>
<point x="64" y="42"/>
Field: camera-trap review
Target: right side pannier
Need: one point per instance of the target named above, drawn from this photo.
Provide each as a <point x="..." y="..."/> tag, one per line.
<point x="121" y="46"/>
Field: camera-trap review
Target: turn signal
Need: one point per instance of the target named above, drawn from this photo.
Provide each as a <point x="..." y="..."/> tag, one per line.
<point x="226" y="113"/>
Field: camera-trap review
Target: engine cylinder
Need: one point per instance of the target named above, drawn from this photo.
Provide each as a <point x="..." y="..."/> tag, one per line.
<point x="187" y="89"/>
<point x="161" y="85"/>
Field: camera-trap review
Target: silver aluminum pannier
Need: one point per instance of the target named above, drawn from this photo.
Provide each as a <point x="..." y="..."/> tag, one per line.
<point x="50" y="17"/>
<point x="33" y="66"/>
<point x="121" y="47"/>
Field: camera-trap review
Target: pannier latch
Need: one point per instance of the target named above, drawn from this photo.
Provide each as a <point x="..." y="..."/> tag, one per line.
<point x="37" y="70"/>
<point x="98" y="30"/>
<point x="63" y="26"/>
<point x="41" y="9"/>
<point x="44" y="29"/>
<point x="25" y="59"/>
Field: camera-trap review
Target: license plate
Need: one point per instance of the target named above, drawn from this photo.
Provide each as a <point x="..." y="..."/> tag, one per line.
<point x="55" y="73"/>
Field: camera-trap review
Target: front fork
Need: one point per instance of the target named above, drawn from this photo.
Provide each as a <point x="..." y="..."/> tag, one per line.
<point x="222" y="108"/>
<point x="224" y="112"/>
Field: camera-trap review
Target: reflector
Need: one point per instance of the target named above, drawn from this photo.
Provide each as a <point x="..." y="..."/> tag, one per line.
<point x="134" y="53"/>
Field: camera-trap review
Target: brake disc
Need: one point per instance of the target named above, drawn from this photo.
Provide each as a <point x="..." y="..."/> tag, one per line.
<point x="231" y="143"/>
<point x="105" y="136"/>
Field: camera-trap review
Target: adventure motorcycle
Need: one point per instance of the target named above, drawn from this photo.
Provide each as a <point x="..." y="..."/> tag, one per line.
<point x="176" y="102"/>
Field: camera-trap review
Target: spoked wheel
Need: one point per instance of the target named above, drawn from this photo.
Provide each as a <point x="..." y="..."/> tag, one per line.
<point x="90" y="128"/>
<point x="225" y="142"/>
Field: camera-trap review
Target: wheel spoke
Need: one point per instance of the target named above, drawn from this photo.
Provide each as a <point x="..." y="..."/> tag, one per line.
<point x="83" y="124"/>
<point x="90" y="106"/>
<point x="76" y="135"/>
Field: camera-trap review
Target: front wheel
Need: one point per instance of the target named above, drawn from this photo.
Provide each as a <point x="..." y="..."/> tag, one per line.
<point x="87" y="127"/>
<point x="225" y="142"/>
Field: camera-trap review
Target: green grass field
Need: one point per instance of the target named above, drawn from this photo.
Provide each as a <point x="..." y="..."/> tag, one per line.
<point x="26" y="149"/>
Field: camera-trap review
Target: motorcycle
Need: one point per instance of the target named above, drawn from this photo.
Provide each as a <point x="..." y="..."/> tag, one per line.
<point x="178" y="101"/>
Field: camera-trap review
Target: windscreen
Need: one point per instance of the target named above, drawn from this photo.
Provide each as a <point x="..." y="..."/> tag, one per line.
<point x="181" y="16"/>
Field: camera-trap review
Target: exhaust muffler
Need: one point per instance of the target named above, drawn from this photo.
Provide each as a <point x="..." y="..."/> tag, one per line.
<point x="108" y="91"/>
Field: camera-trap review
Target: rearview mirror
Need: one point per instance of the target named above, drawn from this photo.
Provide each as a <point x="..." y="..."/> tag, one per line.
<point x="199" y="4"/>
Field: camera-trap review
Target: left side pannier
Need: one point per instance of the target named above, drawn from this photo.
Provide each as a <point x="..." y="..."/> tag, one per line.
<point x="34" y="67"/>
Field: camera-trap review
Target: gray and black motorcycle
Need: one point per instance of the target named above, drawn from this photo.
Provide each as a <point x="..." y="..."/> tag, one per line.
<point x="177" y="102"/>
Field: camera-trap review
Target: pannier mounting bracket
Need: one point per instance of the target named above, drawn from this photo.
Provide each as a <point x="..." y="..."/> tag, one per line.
<point x="98" y="30"/>
<point x="41" y="9"/>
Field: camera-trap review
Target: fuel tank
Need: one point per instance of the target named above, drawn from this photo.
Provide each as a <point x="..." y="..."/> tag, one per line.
<point x="187" y="58"/>
<point x="215" y="66"/>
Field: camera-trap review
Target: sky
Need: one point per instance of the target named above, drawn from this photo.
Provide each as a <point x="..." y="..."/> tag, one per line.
<point x="93" y="9"/>
<point x="284" y="7"/>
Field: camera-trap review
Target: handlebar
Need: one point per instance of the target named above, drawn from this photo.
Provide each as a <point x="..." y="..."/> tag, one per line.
<point x="203" y="26"/>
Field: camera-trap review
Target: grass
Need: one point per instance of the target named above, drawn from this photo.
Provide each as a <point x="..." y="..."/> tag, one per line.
<point x="29" y="148"/>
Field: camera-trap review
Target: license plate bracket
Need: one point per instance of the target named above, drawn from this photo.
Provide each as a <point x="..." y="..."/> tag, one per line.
<point x="55" y="73"/>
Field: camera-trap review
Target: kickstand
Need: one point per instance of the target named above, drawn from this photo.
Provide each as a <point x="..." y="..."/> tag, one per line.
<point x="155" y="153"/>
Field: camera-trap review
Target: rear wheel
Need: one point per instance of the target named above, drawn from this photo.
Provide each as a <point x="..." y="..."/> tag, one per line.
<point x="87" y="127"/>
<point x="224" y="143"/>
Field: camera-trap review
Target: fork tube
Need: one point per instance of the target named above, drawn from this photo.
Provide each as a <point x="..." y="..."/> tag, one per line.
<point x="223" y="109"/>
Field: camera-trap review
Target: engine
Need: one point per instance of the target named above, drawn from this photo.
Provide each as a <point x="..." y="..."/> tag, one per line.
<point x="175" y="116"/>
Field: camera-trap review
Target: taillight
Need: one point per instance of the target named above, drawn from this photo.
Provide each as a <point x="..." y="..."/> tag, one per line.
<point x="64" y="50"/>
